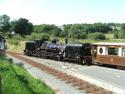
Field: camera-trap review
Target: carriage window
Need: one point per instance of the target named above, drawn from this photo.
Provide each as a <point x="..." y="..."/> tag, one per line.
<point x="112" y="51"/>
<point x="123" y="52"/>
<point x="100" y="50"/>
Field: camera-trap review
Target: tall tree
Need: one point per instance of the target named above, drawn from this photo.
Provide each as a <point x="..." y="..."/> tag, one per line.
<point x="123" y="26"/>
<point x="4" y="23"/>
<point x="22" y="26"/>
<point x="46" y="28"/>
<point x="102" y="28"/>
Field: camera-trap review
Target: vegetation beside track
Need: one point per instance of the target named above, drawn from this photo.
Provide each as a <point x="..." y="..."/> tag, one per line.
<point x="16" y="80"/>
<point x="16" y="48"/>
<point x="17" y="43"/>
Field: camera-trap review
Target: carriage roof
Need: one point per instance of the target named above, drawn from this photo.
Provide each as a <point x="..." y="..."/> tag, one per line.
<point x="108" y="44"/>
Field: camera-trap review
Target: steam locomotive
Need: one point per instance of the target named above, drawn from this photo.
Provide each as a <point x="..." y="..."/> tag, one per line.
<point x="80" y="53"/>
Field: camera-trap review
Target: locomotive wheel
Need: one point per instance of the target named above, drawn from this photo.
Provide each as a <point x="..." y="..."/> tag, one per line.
<point x="120" y="67"/>
<point x="83" y="62"/>
<point x="88" y="63"/>
<point x="46" y="57"/>
<point x="60" y="58"/>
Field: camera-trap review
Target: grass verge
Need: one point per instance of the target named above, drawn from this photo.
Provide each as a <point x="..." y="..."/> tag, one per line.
<point x="16" y="80"/>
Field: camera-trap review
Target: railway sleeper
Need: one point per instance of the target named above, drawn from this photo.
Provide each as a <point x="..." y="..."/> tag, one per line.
<point x="83" y="85"/>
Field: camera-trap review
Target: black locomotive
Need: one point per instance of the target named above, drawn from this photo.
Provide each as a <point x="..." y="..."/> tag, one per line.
<point x="79" y="53"/>
<point x="34" y="47"/>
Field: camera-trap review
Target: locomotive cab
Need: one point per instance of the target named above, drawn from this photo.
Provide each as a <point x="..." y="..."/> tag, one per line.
<point x="39" y="42"/>
<point x="80" y="53"/>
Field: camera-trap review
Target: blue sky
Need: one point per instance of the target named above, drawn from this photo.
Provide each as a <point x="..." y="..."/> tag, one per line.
<point x="65" y="11"/>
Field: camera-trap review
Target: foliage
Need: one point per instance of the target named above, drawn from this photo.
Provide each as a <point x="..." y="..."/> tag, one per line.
<point x="14" y="42"/>
<point x="109" y="36"/>
<point x="46" y="28"/>
<point x="22" y="26"/>
<point x="62" y="34"/>
<point x="38" y="36"/>
<point x="102" y="28"/>
<point x="16" y="48"/>
<point x="83" y="35"/>
<point x="16" y="80"/>
<point x="4" y="23"/>
<point x="120" y="34"/>
<point x="97" y="36"/>
<point x="15" y="39"/>
<point x="44" y="36"/>
<point x="75" y="30"/>
<point x="123" y="26"/>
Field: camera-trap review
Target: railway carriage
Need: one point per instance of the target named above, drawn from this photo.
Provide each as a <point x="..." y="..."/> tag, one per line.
<point x="2" y="46"/>
<point x="109" y="53"/>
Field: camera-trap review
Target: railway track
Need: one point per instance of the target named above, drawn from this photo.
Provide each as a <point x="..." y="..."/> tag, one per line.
<point x="69" y="79"/>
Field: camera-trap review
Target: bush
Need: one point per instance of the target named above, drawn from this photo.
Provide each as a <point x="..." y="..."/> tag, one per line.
<point x="96" y="36"/>
<point x="120" y="34"/>
<point x="79" y="35"/>
<point x="45" y="36"/>
<point x="15" y="36"/>
<point x="83" y="35"/>
<point x="38" y="36"/>
<point x="62" y="34"/>
<point x="13" y="42"/>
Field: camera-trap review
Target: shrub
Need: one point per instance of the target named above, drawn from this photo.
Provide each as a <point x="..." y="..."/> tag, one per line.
<point x="15" y="36"/>
<point x="62" y="34"/>
<point x="96" y="36"/>
<point x="38" y="36"/>
<point x="45" y="36"/>
<point x="13" y="42"/>
<point x="83" y="35"/>
<point x="119" y="34"/>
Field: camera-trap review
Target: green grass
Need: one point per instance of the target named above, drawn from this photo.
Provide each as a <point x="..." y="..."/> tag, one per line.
<point x="16" y="48"/>
<point x="109" y="36"/>
<point x="14" y="42"/>
<point x="16" y="80"/>
<point x="11" y="44"/>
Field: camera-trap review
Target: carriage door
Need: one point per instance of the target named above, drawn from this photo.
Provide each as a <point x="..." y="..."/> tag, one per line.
<point x="94" y="52"/>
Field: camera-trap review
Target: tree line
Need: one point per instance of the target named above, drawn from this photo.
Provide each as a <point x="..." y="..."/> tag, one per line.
<point x="95" y="31"/>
